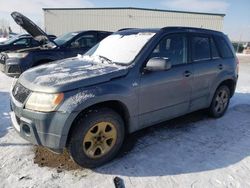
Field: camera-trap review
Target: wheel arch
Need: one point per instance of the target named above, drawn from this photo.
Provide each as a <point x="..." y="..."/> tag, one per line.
<point x="230" y="82"/>
<point x="116" y="105"/>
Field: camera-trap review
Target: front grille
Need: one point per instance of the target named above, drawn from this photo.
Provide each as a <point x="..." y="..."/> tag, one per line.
<point x="20" y="93"/>
<point x="14" y="69"/>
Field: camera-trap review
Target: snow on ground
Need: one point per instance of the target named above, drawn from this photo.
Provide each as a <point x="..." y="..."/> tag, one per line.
<point x="190" y="151"/>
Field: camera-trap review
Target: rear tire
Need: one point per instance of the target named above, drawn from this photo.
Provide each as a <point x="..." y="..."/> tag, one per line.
<point x="96" y="138"/>
<point x="220" y="102"/>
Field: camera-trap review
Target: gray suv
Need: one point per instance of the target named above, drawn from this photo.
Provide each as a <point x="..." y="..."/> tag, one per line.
<point x="132" y="79"/>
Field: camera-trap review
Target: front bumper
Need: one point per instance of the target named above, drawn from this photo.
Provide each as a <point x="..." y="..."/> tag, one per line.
<point x="46" y="129"/>
<point x="12" y="68"/>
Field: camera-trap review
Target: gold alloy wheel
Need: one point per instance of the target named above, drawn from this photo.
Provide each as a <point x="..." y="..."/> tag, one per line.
<point x="99" y="139"/>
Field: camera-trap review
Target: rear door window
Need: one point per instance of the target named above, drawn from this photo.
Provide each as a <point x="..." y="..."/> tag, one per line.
<point x="85" y="41"/>
<point x="200" y="48"/>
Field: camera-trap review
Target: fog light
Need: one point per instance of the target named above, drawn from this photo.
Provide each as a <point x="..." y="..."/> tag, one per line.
<point x="26" y="129"/>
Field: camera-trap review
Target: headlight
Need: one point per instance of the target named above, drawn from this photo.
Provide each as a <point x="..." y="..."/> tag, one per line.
<point x="44" y="102"/>
<point x="17" y="55"/>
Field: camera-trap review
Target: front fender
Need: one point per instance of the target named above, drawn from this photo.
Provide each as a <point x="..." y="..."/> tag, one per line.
<point x="76" y="102"/>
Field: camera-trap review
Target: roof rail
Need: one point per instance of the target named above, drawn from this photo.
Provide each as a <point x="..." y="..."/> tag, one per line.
<point x="123" y="29"/>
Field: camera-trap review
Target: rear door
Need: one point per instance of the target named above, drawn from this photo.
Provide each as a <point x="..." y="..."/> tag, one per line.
<point x="166" y="94"/>
<point x="206" y="65"/>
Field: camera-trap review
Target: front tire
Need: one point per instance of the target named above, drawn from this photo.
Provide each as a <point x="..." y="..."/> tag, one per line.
<point x="220" y="102"/>
<point x="96" y="138"/>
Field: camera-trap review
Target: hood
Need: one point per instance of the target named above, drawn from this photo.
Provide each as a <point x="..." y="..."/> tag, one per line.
<point x="36" y="32"/>
<point x="69" y="74"/>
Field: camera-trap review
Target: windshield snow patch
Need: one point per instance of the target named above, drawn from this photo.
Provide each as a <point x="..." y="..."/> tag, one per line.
<point x="119" y="48"/>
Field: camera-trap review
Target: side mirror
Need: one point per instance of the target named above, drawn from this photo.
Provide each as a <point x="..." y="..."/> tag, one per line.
<point x="158" y="64"/>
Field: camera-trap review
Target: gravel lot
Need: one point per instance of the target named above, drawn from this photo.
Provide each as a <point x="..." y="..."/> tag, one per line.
<point x="190" y="151"/>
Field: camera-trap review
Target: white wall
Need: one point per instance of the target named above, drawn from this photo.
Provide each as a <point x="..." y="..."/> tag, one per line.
<point x="61" y="21"/>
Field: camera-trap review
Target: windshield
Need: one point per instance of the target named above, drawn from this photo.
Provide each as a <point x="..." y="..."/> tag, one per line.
<point x="65" y="38"/>
<point x="121" y="48"/>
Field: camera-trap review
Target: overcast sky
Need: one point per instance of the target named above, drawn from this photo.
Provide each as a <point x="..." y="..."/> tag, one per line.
<point x="236" y="21"/>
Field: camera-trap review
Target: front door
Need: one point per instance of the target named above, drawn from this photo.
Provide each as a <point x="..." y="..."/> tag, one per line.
<point x="166" y="94"/>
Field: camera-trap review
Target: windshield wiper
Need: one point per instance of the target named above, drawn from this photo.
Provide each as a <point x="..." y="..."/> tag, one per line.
<point x="106" y="59"/>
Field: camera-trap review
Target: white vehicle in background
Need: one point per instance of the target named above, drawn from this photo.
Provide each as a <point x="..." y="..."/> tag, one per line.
<point x="2" y="39"/>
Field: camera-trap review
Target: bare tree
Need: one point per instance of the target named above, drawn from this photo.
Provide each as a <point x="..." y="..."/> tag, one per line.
<point x="10" y="30"/>
<point x="4" y="27"/>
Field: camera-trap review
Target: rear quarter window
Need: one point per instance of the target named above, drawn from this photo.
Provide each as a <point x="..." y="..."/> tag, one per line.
<point x="224" y="48"/>
<point x="214" y="50"/>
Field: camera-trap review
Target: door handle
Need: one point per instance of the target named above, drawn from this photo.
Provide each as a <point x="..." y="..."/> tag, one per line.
<point x="220" y="66"/>
<point x="187" y="73"/>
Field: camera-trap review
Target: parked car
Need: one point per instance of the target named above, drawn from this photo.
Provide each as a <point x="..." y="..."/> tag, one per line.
<point x="21" y="42"/>
<point x="132" y="79"/>
<point x="65" y="46"/>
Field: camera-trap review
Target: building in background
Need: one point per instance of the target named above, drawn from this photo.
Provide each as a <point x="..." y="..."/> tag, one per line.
<point x="61" y="20"/>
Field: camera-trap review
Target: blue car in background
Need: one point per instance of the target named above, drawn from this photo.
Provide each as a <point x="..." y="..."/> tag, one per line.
<point x="20" y="42"/>
<point x="14" y="63"/>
